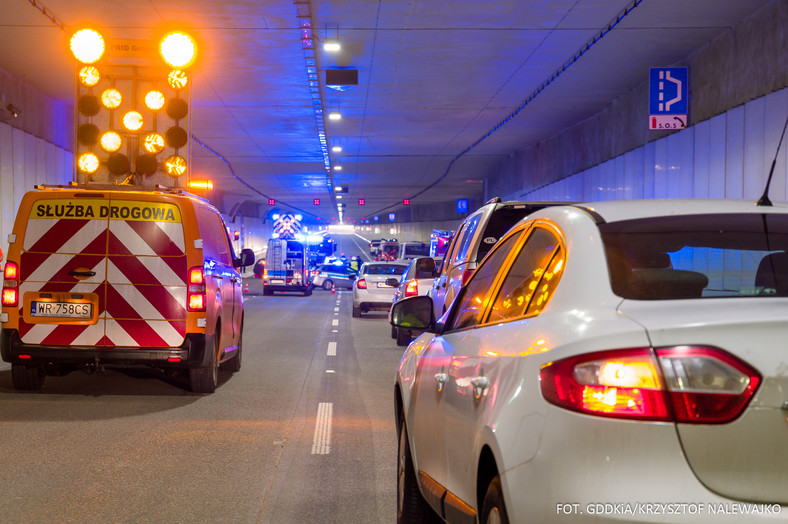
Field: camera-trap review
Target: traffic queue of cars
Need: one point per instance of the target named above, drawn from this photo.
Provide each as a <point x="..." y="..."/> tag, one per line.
<point x="603" y="355"/>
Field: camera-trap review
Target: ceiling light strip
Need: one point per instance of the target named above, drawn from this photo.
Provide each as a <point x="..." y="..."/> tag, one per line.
<point x="304" y="15"/>
<point x="591" y="43"/>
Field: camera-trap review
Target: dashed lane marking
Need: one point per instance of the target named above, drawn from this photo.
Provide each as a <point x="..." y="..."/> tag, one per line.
<point x="321" y="442"/>
<point x="335" y="322"/>
<point x="332" y="349"/>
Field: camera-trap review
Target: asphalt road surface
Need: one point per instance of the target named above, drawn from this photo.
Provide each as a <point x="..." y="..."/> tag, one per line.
<point x="303" y="433"/>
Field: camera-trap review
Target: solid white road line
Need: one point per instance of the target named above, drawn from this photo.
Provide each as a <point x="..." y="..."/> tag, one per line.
<point x="332" y="349"/>
<point x="321" y="442"/>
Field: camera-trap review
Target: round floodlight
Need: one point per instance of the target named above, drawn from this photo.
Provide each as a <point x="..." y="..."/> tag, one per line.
<point x="132" y="120"/>
<point x="178" y="49"/>
<point x="177" y="108"/>
<point x="88" y="134"/>
<point x="118" y="164"/>
<point x="177" y="79"/>
<point x="89" y="76"/>
<point x="88" y="163"/>
<point x="146" y="164"/>
<point x="176" y="137"/>
<point x="153" y="143"/>
<point x="88" y="105"/>
<point x="87" y="46"/>
<point x="154" y="100"/>
<point x="111" y="98"/>
<point x="175" y="165"/>
<point x="110" y="141"/>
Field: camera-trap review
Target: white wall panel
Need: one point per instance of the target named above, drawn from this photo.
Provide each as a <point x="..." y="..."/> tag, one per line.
<point x="716" y="159"/>
<point x="753" y="170"/>
<point x="734" y="153"/>
<point x="661" y="169"/>
<point x="7" y="207"/>
<point x="700" y="168"/>
<point x="649" y="153"/>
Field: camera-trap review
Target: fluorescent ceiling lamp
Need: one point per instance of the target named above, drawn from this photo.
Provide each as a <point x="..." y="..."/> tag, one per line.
<point x="334" y="115"/>
<point x="337" y="168"/>
<point x="336" y="149"/>
<point x="331" y="45"/>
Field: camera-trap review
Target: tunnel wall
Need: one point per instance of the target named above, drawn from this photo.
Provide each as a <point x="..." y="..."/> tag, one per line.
<point x="745" y="63"/>
<point x="727" y="156"/>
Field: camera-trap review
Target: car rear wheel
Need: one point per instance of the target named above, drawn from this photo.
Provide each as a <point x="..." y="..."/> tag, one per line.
<point x="205" y="380"/>
<point x="403" y="337"/>
<point x="411" y="506"/>
<point x="327" y="285"/>
<point x="27" y="378"/>
<point x="493" y="507"/>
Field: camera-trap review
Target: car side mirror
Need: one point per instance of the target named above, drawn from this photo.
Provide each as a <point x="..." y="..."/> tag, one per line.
<point x="393" y="282"/>
<point x="413" y="313"/>
<point x="246" y="258"/>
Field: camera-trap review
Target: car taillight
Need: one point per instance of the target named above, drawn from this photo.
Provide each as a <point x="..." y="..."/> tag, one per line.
<point x="10" y="284"/>
<point x="683" y="384"/>
<point x="412" y="288"/>
<point x="707" y="385"/>
<point x="361" y="284"/>
<point x="195" y="299"/>
<point x="466" y="275"/>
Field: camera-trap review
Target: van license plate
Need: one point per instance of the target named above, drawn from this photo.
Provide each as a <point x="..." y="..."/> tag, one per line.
<point x="61" y="309"/>
<point x="277" y="281"/>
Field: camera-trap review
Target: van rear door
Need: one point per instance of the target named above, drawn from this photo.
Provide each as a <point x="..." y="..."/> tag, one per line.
<point x="146" y="272"/>
<point x="63" y="269"/>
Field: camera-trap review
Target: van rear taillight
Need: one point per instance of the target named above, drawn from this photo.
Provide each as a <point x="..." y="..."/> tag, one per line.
<point x="412" y="289"/>
<point x="682" y="384"/>
<point x="10" y="295"/>
<point x="195" y="299"/>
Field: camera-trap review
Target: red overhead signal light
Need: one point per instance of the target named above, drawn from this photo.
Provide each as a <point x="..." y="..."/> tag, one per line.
<point x="316" y="201"/>
<point x="406" y="201"/>
<point x="271" y="202"/>
<point x="361" y="202"/>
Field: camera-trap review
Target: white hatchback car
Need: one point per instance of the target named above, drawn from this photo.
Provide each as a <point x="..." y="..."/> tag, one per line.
<point x="370" y="290"/>
<point x="416" y="280"/>
<point x="607" y="362"/>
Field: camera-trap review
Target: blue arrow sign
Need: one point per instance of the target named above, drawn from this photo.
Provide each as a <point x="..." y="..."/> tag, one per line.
<point x="668" y="87"/>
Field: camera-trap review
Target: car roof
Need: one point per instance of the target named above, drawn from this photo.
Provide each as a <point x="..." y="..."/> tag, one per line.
<point x="616" y="210"/>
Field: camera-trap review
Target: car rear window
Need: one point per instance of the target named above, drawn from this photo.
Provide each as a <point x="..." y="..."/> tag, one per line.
<point x="698" y="256"/>
<point x="384" y="269"/>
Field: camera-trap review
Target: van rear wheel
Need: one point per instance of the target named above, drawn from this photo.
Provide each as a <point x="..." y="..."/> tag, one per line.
<point x="27" y="378"/>
<point x="205" y="380"/>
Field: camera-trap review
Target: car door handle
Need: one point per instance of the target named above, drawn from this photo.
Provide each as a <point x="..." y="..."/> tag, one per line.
<point x="479" y="385"/>
<point x="441" y="379"/>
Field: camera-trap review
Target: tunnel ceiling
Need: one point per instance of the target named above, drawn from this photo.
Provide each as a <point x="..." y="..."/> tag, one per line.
<point x="434" y="79"/>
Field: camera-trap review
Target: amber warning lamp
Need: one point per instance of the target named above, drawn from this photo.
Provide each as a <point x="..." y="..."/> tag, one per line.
<point x="132" y="121"/>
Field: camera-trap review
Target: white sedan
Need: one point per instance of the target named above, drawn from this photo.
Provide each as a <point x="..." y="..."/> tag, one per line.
<point x="607" y="362"/>
<point x="370" y="290"/>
